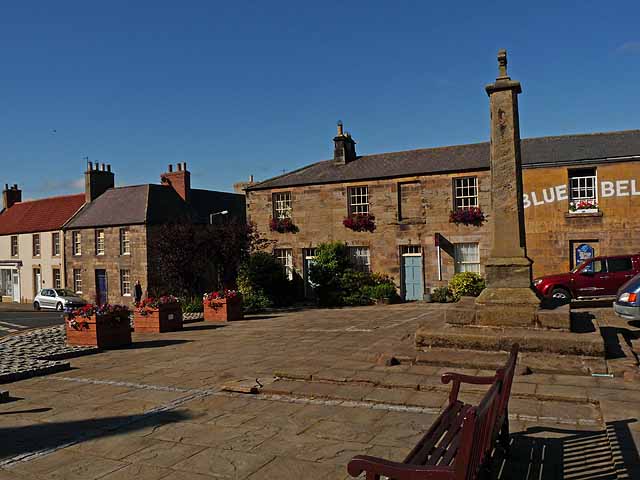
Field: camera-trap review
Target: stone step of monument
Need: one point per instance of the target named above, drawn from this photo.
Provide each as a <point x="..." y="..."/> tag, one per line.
<point x="501" y="338"/>
<point x="528" y="362"/>
<point x="433" y="398"/>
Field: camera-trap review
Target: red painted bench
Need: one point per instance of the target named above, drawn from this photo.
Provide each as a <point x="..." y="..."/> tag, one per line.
<point x="459" y="444"/>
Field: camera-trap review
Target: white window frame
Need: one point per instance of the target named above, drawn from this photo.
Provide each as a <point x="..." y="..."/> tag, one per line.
<point x="125" y="241"/>
<point x="125" y="282"/>
<point x="411" y="250"/>
<point x="55" y="244"/>
<point x="100" y="242"/>
<point x="361" y="258"/>
<point x="57" y="281"/>
<point x="35" y="241"/>
<point x="77" y="280"/>
<point x="465" y="192"/>
<point x="579" y="187"/>
<point x="76" y="243"/>
<point x="282" y="205"/>
<point x="285" y="258"/>
<point x="15" y="246"/>
<point x="467" y="257"/>
<point x="358" y="200"/>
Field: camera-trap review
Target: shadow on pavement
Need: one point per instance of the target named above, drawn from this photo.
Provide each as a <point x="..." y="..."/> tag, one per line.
<point x="202" y="327"/>
<point x="153" y="344"/>
<point x="26" y="439"/>
<point x="550" y="453"/>
<point x="32" y="410"/>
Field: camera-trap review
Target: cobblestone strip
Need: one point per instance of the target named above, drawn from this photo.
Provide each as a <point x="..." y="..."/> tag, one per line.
<point x="37" y="352"/>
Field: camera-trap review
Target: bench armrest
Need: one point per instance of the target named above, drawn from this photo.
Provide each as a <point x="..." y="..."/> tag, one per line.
<point x="458" y="378"/>
<point x="399" y="471"/>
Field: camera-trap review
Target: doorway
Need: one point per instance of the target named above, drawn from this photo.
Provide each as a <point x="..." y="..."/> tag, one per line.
<point x="37" y="281"/>
<point x="101" y="287"/>
<point x="308" y="254"/>
<point x="411" y="269"/>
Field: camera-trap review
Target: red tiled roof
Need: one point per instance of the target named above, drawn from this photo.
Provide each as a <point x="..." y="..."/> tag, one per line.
<point x="39" y="215"/>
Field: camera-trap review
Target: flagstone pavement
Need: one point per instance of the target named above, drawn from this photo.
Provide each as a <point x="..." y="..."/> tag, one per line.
<point x="159" y="410"/>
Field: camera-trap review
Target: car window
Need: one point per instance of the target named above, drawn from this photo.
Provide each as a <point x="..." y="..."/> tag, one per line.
<point x="596" y="266"/>
<point x="620" y="264"/>
<point x="50" y="293"/>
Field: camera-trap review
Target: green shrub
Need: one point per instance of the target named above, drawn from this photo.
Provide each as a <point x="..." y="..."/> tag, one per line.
<point x="383" y="291"/>
<point x="330" y="264"/>
<point x="255" y="301"/>
<point x="466" y="284"/>
<point x="262" y="281"/>
<point x="441" y="295"/>
<point x="192" y="305"/>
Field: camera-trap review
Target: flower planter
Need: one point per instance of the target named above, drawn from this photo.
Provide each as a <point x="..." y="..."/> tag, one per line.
<point x="165" y="318"/>
<point x="223" y="310"/>
<point x="104" y="331"/>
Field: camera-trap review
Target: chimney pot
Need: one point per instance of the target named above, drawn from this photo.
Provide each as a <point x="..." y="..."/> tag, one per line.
<point x="108" y="167"/>
<point x="170" y="167"/>
<point x="179" y="167"/>
<point x="6" y="186"/>
<point x="250" y="178"/>
<point x="340" y="128"/>
<point x="184" y="166"/>
<point x="89" y="165"/>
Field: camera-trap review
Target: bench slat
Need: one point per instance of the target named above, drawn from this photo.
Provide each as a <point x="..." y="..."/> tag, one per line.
<point x="448" y="442"/>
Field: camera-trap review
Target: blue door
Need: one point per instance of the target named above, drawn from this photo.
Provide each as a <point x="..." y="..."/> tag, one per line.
<point x="101" y="287"/>
<point x="412" y="277"/>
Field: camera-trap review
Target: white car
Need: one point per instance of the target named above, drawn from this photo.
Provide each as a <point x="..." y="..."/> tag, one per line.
<point x="57" y="299"/>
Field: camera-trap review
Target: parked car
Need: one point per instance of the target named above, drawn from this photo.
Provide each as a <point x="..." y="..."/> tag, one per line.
<point x="627" y="304"/>
<point x="595" y="277"/>
<point x="57" y="299"/>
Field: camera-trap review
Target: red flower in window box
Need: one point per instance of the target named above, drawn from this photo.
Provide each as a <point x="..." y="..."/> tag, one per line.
<point x="282" y="225"/>
<point x="360" y="222"/>
<point x="467" y="216"/>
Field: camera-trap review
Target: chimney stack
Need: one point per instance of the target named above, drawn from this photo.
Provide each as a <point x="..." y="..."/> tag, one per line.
<point x="180" y="180"/>
<point x="97" y="180"/>
<point x="344" y="147"/>
<point x="11" y="195"/>
<point x="240" y="187"/>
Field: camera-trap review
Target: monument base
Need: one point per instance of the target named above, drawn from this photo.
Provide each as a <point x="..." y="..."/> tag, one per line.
<point x="507" y="306"/>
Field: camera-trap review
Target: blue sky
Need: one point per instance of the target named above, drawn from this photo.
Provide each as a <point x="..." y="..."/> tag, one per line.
<point x="239" y="88"/>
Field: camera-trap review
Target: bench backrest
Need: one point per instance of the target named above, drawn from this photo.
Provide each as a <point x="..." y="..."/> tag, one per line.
<point x="507" y="373"/>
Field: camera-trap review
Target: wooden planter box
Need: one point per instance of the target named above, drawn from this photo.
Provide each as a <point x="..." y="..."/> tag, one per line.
<point x="166" y="318"/>
<point x="102" y="332"/>
<point x="226" y="310"/>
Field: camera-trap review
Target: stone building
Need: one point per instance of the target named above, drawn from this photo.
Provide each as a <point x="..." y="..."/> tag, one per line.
<point x="32" y="243"/>
<point x="109" y="239"/>
<point x="581" y="197"/>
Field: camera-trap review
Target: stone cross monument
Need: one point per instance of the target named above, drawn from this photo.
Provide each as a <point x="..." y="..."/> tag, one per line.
<point x="509" y="299"/>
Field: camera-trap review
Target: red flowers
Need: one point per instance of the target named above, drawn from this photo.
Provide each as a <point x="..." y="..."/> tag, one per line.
<point x="467" y="216"/>
<point x="583" y="205"/>
<point x="153" y="303"/>
<point x="115" y="312"/>
<point x="212" y="297"/>
<point x="360" y="222"/>
<point x="282" y="225"/>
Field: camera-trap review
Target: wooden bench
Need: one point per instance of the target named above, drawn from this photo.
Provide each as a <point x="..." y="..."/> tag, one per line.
<point x="458" y="445"/>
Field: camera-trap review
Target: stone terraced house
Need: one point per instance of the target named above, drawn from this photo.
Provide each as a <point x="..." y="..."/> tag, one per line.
<point x="108" y="240"/>
<point x="32" y="243"/>
<point x="581" y="198"/>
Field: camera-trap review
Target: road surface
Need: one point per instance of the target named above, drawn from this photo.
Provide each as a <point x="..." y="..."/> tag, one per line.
<point x="12" y="322"/>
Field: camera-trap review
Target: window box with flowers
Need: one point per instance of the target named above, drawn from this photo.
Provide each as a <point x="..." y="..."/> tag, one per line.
<point x="583" y="206"/>
<point x="158" y="314"/>
<point x="102" y="326"/>
<point x="283" y="225"/>
<point x="360" y="222"/>
<point x="222" y="306"/>
<point x="467" y="216"/>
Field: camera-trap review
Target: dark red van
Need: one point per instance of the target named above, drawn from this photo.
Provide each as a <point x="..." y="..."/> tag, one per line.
<point x="596" y="277"/>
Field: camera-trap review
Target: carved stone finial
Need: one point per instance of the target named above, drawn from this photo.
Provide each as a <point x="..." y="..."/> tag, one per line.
<point x="502" y="62"/>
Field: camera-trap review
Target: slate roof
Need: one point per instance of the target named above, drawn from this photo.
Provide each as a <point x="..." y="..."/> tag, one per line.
<point x="566" y="149"/>
<point x="152" y="204"/>
<point x="42" y="215"/>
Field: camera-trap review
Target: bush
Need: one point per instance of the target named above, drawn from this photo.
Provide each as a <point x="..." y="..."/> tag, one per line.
<point x="383" y="291"/>
<point x="441" y="295"/>
<point x="255" y="301"/>
<point x="263" y="282"/>
<point x="466" y="284"/>
<point x="192" y="305"/>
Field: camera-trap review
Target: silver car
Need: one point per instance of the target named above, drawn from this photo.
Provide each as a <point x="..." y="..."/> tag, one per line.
<point x="57" y="299"/>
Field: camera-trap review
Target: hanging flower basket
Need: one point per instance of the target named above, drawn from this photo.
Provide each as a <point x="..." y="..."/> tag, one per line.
<point x="158" y="314"/>
<point x="283" y="225"/>
<point x="360" y="223"/>
<point x="222" y="306"/>
<point x="467" y="216"/>
<point x="102" y="326"/>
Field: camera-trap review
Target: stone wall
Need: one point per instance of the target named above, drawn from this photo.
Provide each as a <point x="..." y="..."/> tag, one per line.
<point x="112" y="262"/>
<point x="318" y="211"/>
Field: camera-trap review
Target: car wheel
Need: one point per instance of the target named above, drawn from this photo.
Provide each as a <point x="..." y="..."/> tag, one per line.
<point x="560" y="294"/>
<point x="59" y="307"/>
<point x="36" y="306"/>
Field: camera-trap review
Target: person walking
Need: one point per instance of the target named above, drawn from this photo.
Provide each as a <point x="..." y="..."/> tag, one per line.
<point x="138" y="291"/>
